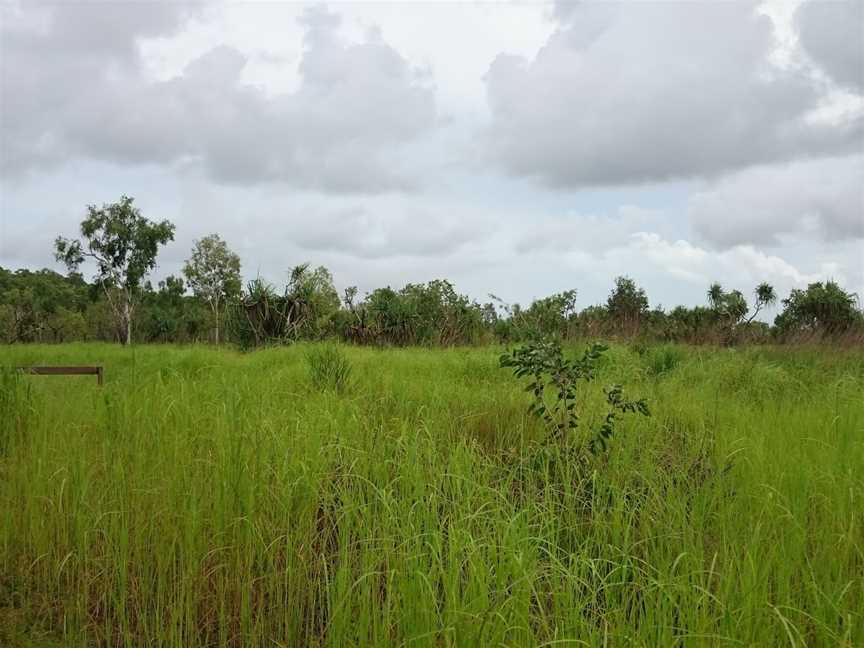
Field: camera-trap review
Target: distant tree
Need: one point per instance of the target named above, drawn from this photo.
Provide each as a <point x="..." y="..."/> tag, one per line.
<point x="172" y="290"/>
<point x="66" y="325"/>
<point x="8" y="331"/>
<point x="729" y="307"/>
<point x="715" y="295"/>
<point x="124" y="246"/>
<point x="489" y="314"/>
<point x="736" y="306"/>
<point x="32" y="300"/>
<point x="822" y="307"/>
<point x="168" y="314"/>
<point x="550" y="315"/>
<point x="349" y="296"/>
<point x="259" y="316"/>
<point x="593" y="320"/>
<point x="101" y="322"/>
<point x="421" y="313"/>
<point x="306" y="310"/>
<point x="765" y="296"/>
<point x="313" y="300"/>
<point x="627" y="303"/>
<point x="213" y="273"/>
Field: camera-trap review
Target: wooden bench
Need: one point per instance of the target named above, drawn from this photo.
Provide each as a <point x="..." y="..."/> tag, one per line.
<point x="64" y="371"/>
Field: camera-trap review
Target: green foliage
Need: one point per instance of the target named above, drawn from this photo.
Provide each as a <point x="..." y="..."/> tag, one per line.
<point x="543" y="363"/>
<point x="213" y="273"/>
<point x="430" y="313"/>
<point x="722" y="322"/>
<point x="627" y="303"/>
<point x="44" y="306"/>
<point x="8" y="324"/>
<point x="66" y="325"/>
<point x="124" y="245"/>
<point x="663" y="359"/>
<point x="101" y="324"/>
<point x="765" y="296"/>
<point x="329" y="368"/>
<point x="260" y="316"/>
<point x="618" y="405"/>
<point x="552" y="316"/>
<point x="34" y="306"/>
<point x="313" y="301"/>
<point x="823" y="308"/>
<point x="729" y="307"/>
<point x="594" y="321"/>
<point x="169" y="315"/>
<point x="303" y="312"/>
<point x="15" y="407"/>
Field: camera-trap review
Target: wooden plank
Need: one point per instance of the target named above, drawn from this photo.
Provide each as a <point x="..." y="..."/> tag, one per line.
<point x="65" y="371"/>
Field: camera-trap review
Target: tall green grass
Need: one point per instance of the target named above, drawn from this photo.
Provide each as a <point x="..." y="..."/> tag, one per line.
<point x="208" y="498"/>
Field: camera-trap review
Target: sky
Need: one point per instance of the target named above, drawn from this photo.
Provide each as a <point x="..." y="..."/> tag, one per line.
<point x="515" y="149"/>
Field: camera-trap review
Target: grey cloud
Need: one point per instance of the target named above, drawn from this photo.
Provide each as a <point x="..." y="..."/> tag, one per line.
<point x="53" y="55"/>
<point x="341" y="131"/>
<point x="645" y="92"/>
<point x="587" y="233"/>
<point x="111" y="28"/>
<point x="374" y="234"/>
<point x="816" y="198"/>
<point x="832" y="33"/>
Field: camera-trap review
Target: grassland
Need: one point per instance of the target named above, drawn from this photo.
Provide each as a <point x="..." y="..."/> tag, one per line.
<point x="208" y="498"/>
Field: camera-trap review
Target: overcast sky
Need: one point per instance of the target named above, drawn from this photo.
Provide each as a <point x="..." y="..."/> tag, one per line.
<point x="516" y="149"/>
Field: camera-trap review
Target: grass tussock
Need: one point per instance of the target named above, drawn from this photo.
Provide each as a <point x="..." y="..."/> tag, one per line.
<point x="329" y="368"/>
<point x="207" y="498"/>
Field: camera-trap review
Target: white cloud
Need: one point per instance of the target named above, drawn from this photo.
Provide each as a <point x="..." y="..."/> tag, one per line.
<point x="341" y="130"/>
<point x="637" y="92"/>
<point x="821" y="198"/>
<point x="677" y="271"/>
<point x="287" y="136"/>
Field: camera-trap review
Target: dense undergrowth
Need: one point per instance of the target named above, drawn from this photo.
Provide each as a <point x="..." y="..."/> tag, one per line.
<point x="208" y="498"/>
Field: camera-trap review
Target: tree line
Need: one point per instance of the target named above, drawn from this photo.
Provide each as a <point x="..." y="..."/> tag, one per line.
<point x="210" y="303"/>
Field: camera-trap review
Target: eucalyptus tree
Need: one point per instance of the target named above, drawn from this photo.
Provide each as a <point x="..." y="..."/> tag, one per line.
<point x="213" y="273"/>
<point x="124" y="246"/>
<point x="627" y="303"/>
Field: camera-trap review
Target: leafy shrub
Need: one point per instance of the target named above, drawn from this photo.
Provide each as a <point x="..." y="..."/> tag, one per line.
<point x="430" y="313"/>
<point x="329" y="368"/>
<point x="824" y="308"/>
<point x="552" y="316"/>
<point x="543" y="362"/>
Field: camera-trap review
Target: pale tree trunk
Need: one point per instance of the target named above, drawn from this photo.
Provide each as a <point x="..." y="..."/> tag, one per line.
<point x="127" y="316"/>
<point x="216" y="317"/>
<point x="122" y="318"/>
<point x="119" y="322"/>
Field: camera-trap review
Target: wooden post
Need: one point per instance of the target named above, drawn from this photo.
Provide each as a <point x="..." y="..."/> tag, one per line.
<point x="66" y="371"/>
